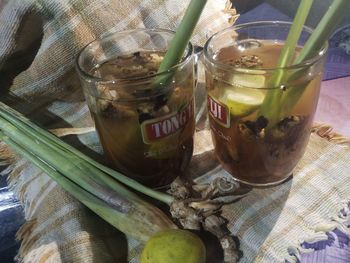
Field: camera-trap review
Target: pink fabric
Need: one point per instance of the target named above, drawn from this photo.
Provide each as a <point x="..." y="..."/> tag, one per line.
<point x="334" y="105"/>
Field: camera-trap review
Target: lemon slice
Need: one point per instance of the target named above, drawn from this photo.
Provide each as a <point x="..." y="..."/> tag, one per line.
<point x="248" y="80"/>
<point x="242" y="101"/>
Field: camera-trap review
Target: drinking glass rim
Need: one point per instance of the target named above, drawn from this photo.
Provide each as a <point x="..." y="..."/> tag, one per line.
<point x="91" y="77"/>
<point x="307" y="63"/>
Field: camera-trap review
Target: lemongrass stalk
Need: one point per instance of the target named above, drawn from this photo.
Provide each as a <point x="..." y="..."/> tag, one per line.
<point x="90" y="179"/>
<point x="324" y="29"/>
<point x="271" y="105"/>
<point x="180" y="40"/>
<point x="44" y="136"/>
<point x="139" y="220"/>
<point x="172" y="58"/>
<point x="86" y="174"/>
<point x="314" y="44"/>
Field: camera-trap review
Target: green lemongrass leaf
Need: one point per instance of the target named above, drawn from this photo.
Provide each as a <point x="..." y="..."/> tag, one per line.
<point x="324" y="29"/>
<point x="44" y="136"/>
<point x="141" y="222"/>
<point x="165" y="73"/>
<point x="314" y="44"/>
<point x="59" y="157"/>
<point x="180" y="41"/>
<point x="271" y="105"/>
<point x="90" y="179"/>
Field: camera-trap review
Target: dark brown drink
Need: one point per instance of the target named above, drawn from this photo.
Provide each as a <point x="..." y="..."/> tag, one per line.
<point x="146" y="132"/>
<point x="246" y="145"/>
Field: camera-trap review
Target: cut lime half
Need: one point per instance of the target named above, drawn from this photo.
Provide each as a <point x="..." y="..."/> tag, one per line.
<point x="242" y="101"/>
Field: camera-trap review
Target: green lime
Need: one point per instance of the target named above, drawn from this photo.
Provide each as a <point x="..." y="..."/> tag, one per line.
<point x="254" y="80"/>
<point x="242" y="101"/>
<point x="174" y="246"/>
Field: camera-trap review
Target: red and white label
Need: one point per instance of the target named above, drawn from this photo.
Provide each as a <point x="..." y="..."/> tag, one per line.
<point x="219" y="112"/>
<point x="159" y="128"/>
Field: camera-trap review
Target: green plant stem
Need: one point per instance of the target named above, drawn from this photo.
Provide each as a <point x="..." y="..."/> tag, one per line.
<point x="163" y="78"/>
<point x="314" y="44"/>
<point x="90" y="179"/>
<point x="271" y="105"/>
<point x="180" y="40"/>
<point x="46" y="137"/>
<point x="324" y="29"/>
<point x="133" y="222"/>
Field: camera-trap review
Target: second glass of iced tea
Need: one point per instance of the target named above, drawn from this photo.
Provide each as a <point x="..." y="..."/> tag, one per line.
<point x="260" y="130"/>
<point x="144" y="118"/>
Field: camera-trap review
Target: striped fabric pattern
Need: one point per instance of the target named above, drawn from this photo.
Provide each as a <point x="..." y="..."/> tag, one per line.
<point x="272" y="223"/>
<point x="38" y="44"/>
<point x="39" y="40"/>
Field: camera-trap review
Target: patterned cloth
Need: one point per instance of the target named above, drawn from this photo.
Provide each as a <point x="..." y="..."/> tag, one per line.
<point x="39" y="40"/>
<point x="272" y="224"/>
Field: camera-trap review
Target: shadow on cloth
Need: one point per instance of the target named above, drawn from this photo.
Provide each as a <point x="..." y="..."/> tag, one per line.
<point x="251" y="218"/>
<point x="110" y="244"/>
<point x="114" y="245"/>
<point x="28" y="40"/>
<point x="39" y="115"/>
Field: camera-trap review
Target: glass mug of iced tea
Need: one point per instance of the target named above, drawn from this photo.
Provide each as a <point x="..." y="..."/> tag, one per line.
<point x="144" y="118"/>
<point x="260" y="130"/>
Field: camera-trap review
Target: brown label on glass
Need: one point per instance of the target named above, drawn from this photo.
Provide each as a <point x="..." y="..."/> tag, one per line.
<point x="155" y="129"/>
<point x="219" y="112"/>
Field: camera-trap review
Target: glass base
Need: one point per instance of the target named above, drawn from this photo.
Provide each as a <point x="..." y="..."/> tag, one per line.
<point x="264" y="185"/>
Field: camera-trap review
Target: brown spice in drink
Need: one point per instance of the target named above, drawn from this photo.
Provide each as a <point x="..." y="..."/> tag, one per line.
<point x="246" y="149"/>
<point x="248" y="61"/>
<point x="119" y="120"/>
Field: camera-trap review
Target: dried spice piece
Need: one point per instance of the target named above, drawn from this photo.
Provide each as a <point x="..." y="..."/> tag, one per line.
<point x="179" y="189"/>
<point x="287" y="136"/>
<point x="288" y="129"/>
<point x="248" y="61"/>
<point x="199" y="206"/>
<point x="124" y="66"/>
<point x="114" y="110"/>
<point x="254" y="129"/>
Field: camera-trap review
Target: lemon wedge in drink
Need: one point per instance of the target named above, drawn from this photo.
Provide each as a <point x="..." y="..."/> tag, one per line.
<point x="254" y="79"/>
<point x="242" y="101"/>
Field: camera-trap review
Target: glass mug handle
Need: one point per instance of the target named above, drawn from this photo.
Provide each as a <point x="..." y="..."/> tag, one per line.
<point x="199" y="87"/>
